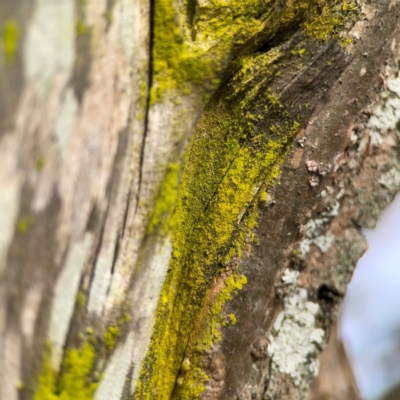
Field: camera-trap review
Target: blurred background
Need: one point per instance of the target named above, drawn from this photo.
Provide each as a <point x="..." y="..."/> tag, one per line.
<point x="362" y="360"/>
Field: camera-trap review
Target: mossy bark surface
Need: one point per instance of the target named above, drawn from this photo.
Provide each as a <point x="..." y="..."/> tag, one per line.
<point x="181" y="183"/>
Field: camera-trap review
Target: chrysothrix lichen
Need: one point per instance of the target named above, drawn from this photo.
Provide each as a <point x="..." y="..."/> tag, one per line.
<point x="207" y="332"/>
<point x="114" y="331"/>
<point x="25" y="222"/>
<point x="231" y="161"/>
<point x="175" y="65"/>
<point x="75" y="382"/>
<point x="10" y="40"/>
<point x="330" y="20"/>
<point x="235" y="156"/>
<point x="78" y="378"/>
<point x="111" y="336"/>
<point x="81" y="27"/>
<point x="196" y="50"/>
<point x="165" y="201"/>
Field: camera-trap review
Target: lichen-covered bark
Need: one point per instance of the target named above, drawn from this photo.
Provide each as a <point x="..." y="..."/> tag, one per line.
<point x="182" y="187"/>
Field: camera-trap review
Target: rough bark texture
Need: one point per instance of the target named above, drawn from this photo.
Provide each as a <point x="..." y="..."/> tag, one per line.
<point x="182" y="186"/>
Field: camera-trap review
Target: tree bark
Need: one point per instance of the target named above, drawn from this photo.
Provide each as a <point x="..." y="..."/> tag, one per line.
<point x="182" y="186"/>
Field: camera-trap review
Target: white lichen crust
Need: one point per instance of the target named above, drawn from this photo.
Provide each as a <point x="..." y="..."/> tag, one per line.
<point x="295" y="339"/>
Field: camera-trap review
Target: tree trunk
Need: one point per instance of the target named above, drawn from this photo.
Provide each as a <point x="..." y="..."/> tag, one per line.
<point x="182" y="186"/>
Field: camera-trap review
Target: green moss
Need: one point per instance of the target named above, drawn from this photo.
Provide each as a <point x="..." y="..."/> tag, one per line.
<point x="111" y="336"/>
<point x="25" y="222"/>
<point x="75" y="382"/>
<point x="10" y="40"/>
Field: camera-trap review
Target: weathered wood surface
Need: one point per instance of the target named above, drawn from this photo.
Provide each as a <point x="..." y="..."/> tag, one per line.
<point x="182" y="186"/>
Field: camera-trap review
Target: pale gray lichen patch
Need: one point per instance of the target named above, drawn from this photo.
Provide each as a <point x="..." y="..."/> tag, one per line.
<point x="50" y="43"/>
<point x="349" y="250"/>
<point x="30" y="312"/>
<point x="387" y="115"/>
<point x="10" y="362"/>
<point x="315" y="230"/>
<point x="391" y="180"/>
<point x="296" y="340"/>
<point x="113" y="381"/>
<point x="130" y="26"/>
<point x="145" y="300"/>
<point x="65" y="122"/>
<point x="10" y="183"/>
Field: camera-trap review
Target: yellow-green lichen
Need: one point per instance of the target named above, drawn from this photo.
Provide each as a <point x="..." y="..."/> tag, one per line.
<point x="236" y="154"/>
<point x="110" y="336"/>
<point x="20" y="385"/>
<point x="108" y="15"/>
<point x="143" y="97"/>
<point x="195" y="49"/>
<point x="10" y="40"/>
<point x="75" y="381"/>
<point x="81" y="27"/>
<point x="175" y="64"/>
<point x="40" y="163"/>
<point x="301" y="52"/>
<point x="165" y="201"/>
<point x="208" y="329"/>
<point x="25" y="222"/>
<point x="232" y="319"/>
<point x="195" y="52"/>
<point x="114" y="331"/>
<point x="80" y="300"/>
<point x="331" y="19"/>
<point x="230" y="161"/>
